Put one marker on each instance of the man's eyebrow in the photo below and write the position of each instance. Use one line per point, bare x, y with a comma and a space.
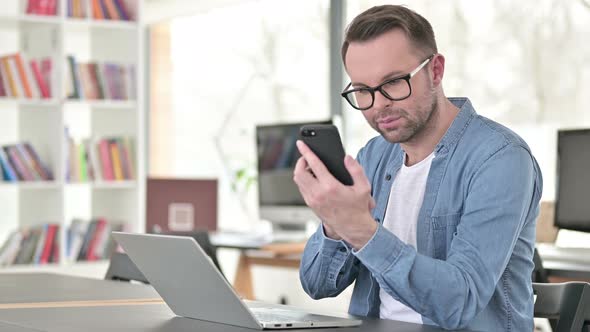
393, 74
390, 75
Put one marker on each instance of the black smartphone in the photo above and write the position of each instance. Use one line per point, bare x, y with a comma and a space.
324, 141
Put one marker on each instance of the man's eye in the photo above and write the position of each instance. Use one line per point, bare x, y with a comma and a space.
393, 83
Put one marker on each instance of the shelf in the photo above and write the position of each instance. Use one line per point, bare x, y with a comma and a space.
39, 102
35, 185
127, 184
39, 19
84, 23
96, 104
30, 102
41, 122
105, 104
31, 19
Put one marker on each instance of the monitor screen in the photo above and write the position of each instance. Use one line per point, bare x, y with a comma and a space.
278, 196
572, 201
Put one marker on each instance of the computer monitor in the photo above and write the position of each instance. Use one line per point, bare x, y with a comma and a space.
572, 199
279, 199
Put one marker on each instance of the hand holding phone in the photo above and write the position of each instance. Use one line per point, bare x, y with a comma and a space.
324, 141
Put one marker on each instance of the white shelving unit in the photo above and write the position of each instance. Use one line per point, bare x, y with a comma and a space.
42, 122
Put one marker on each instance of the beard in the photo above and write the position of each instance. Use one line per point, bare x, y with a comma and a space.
412, 125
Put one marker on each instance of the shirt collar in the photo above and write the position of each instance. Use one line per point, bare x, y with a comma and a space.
458, 126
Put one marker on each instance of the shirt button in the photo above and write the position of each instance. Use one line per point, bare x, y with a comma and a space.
377, 220
387, 177
342, 249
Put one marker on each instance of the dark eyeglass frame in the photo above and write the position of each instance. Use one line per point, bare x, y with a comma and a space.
346, 94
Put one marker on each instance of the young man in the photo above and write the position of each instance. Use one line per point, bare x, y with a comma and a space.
439, 226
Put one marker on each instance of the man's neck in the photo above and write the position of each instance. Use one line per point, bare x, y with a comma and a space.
422, 145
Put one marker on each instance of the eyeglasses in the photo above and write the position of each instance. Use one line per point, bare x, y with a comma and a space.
395, 89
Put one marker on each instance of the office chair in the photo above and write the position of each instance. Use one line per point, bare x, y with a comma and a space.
122, 268
539, 273
567, 304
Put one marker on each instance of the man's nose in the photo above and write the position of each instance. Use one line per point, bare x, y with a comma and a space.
381, 101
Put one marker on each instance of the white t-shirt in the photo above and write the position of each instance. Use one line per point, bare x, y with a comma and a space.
401, 218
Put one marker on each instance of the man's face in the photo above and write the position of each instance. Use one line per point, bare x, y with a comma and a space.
389, 56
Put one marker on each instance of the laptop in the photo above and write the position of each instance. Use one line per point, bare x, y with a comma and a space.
181, 272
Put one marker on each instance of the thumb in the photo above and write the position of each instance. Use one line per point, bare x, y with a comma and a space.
372, 204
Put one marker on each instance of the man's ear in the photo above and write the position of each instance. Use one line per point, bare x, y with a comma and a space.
438, 69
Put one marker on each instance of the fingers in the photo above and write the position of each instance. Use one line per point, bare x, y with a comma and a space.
302, 177
356, 172
317, 166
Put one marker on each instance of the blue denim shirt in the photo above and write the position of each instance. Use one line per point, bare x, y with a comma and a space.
475, 234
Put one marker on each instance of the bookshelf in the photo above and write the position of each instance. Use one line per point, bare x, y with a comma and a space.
41, 120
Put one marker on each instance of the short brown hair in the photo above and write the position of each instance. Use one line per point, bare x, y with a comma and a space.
378, 20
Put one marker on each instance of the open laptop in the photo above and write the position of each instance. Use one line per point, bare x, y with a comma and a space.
181, 272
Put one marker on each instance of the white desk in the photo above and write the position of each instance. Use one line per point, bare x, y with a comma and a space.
565, 262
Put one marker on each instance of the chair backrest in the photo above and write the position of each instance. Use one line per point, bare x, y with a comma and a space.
539, 273
568, 303
122, 268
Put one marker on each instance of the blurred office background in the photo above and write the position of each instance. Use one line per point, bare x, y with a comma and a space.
522, 64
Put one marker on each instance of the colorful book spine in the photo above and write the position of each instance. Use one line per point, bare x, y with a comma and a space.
40, 166
116, 160
105, 158
20, 66
19, 165
41, 83
7, 170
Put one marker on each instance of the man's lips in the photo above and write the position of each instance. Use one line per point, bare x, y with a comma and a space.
389, 122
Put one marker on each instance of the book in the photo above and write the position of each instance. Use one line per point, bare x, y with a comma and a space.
42, 168
48, 245
19, 166
76, 233
10, 248
87, 238
41, 83
10, 79
2, 88
122, 10
40, 245
97, 13
116, 160
18, 84
83, 170
75, 88
105, 160
95, 239
24, 76
32, 6
127, 157
7, 170
103, 7
28, 245
93, 159
27, 161
47, 73
112, 10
